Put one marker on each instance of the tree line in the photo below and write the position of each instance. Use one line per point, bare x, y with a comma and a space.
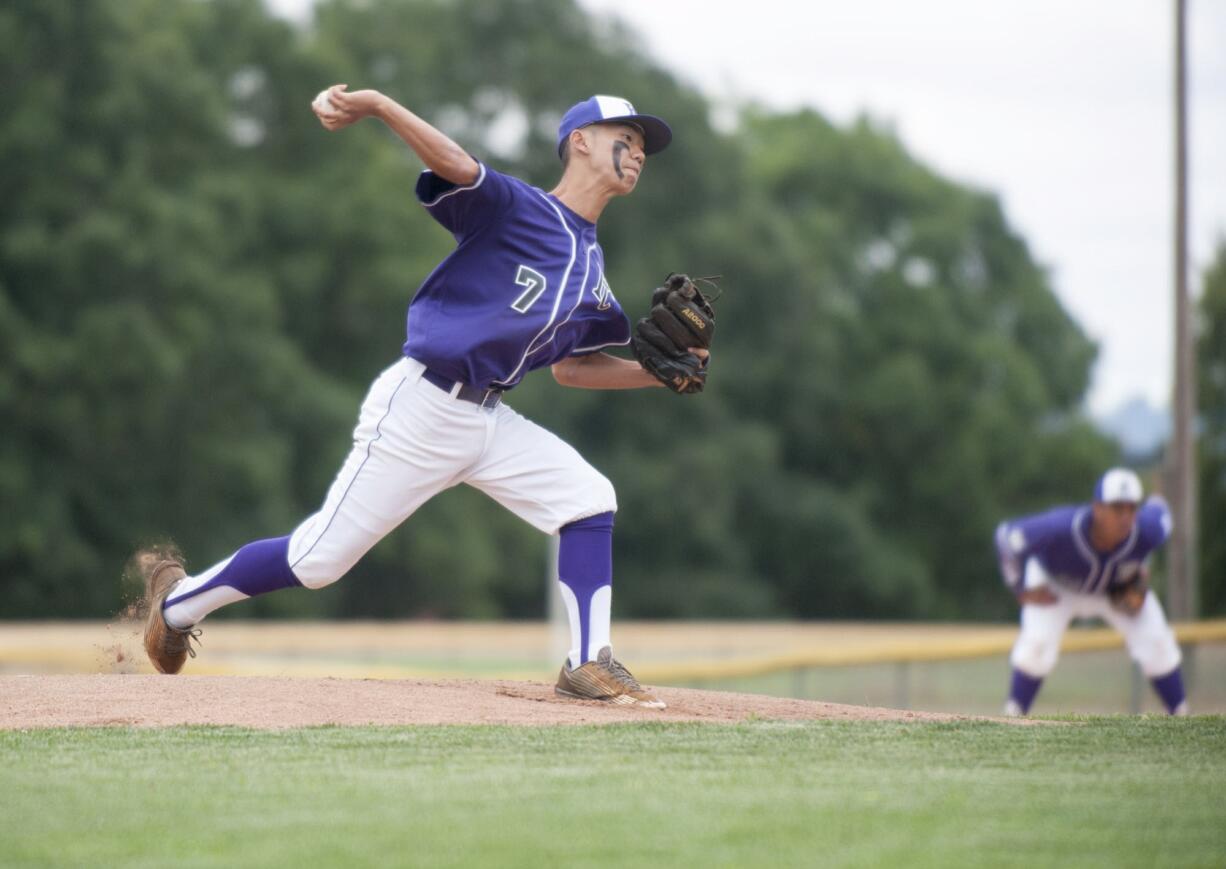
197, 283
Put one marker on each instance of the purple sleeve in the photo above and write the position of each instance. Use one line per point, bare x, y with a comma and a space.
612, 330
1017, 540
1011, 552
463, 209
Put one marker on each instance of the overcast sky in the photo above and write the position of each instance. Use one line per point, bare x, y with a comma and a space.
1062, 107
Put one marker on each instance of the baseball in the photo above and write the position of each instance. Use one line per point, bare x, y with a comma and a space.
323, 103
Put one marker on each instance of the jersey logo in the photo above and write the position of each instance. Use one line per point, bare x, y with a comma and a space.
603, 293
534, 286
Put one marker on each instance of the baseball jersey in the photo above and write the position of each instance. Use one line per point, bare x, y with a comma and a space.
1060, 540
524, 288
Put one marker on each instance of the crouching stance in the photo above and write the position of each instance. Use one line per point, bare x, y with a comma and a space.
524, 288
1084, 561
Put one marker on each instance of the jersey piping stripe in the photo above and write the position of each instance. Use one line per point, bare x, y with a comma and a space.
453, 191
557, 302
601, 346
582, 294
1110, 566
587, 272
1087, 551
357, 473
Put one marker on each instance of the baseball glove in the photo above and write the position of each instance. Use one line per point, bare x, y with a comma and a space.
1129, 597
681, 320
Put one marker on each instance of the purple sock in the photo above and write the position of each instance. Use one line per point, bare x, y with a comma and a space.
257, 568
1023, 690
585, 569
1170, 689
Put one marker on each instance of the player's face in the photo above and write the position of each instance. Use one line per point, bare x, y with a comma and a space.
617, 154
1113, 522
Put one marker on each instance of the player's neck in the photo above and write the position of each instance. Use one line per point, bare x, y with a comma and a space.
587, 197
1101, 539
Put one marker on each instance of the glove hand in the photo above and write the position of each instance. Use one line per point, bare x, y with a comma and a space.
1129, 598
672, 342
683, 313
683, 373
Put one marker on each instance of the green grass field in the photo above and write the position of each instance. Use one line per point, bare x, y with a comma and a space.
1085, 792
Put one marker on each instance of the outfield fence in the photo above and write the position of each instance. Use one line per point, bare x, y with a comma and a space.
911, 651
793, 672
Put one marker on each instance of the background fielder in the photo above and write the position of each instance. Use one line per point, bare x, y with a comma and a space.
525, 288
1090, 560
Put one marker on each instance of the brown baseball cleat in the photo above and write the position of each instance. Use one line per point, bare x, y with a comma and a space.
606, 680
166, 646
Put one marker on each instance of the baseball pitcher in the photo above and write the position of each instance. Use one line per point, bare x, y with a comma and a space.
1090, 560
524, 288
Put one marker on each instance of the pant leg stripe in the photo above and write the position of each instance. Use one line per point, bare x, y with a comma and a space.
357, 473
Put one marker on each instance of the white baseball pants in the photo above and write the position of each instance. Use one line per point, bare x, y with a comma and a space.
412, 441
1149, 638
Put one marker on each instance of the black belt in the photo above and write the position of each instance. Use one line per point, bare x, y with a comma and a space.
487, 398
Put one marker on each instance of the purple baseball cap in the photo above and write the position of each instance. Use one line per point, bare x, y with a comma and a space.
1118, 484
605, 109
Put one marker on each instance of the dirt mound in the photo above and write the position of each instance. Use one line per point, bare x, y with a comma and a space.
277, 702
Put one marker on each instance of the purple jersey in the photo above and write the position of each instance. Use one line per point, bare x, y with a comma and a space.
524, 288
1060, 540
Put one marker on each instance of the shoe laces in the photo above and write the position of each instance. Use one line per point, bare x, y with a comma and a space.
622, 674
190, 634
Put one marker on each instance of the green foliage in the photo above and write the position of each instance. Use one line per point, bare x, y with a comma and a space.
1211, 382
753, 794
197, 284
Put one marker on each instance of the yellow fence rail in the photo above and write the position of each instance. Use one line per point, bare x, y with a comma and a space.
906, 651
660, 653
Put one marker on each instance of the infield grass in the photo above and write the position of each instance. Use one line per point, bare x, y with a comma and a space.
1082, 792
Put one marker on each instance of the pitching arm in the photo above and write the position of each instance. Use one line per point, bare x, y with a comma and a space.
441, 155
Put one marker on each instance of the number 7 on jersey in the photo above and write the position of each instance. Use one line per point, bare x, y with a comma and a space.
534, 283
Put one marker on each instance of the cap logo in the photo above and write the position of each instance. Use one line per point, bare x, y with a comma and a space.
1119, 484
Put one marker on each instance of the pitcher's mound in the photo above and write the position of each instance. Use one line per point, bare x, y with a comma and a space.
271, 703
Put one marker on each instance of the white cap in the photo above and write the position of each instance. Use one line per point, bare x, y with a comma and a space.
1118, 484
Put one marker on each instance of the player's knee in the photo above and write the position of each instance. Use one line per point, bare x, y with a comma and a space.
1035, 657
1157, 655
599, 493
588, 494
316, 576
316, 569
